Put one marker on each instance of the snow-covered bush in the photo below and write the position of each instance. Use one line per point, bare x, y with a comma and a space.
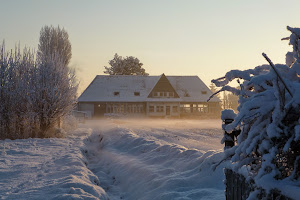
15, 83
34, 94
269, 114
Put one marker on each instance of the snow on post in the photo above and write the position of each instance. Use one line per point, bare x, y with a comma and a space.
228, 114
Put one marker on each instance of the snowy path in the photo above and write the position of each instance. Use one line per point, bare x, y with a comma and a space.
157, 159
117, 159
47, 169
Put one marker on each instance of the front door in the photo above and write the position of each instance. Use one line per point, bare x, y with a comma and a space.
100, 109
167, 110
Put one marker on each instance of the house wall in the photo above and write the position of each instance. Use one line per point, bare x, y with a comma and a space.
194, 108
87, 107
199, 108
126, 108
214, 107
162, 109
152, 109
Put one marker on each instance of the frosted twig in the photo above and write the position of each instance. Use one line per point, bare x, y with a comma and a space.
286, 38
277, 73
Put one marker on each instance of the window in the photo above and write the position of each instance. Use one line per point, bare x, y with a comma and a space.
161, 94
159, 109
165, 94
116, 93
155, 94
171, 94
175, 109
151, 108
136, 93
204, 92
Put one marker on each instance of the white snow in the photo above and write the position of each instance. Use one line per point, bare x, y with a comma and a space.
158, 159
47, 169
126, 159
228, 114
269, 117
102, 89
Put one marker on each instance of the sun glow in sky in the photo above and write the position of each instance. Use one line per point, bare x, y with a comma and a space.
175, 37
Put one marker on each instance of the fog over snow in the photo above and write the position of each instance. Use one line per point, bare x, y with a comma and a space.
118, 159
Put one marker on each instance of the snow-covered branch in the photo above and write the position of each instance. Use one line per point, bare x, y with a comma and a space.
269, 115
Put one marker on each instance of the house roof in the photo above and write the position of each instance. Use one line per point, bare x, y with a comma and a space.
103, 88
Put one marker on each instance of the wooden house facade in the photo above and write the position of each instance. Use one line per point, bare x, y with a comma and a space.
153, 96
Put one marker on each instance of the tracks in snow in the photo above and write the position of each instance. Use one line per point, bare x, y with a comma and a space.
131, 165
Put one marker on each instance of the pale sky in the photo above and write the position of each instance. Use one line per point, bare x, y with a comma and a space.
176, 37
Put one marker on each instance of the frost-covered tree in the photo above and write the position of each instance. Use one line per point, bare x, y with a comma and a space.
54, 92
54, 40
56, 82
269, 113
15, 72
34, 94
125, 66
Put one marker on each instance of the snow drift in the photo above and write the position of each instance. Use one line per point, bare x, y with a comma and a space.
131, 164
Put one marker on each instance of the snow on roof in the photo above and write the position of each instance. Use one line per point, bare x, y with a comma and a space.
191, 88
122, 88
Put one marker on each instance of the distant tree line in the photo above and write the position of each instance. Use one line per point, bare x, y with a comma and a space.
36, 92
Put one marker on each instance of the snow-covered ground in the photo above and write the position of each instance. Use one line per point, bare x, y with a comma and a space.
47, 169
118, 159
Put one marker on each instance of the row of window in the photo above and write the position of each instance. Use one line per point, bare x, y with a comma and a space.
161, 109
163, 94
193, 105
121, 108
139, 108
159, 94
194, 110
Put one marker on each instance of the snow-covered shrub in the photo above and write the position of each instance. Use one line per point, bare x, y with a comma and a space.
34, 94
269, 114
15, 83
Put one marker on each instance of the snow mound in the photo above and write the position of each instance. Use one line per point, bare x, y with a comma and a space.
228, 114
46, 169
133, 167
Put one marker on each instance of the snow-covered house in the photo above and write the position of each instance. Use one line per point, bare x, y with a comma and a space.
154, 96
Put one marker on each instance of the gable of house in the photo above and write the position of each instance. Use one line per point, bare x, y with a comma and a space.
163, 88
